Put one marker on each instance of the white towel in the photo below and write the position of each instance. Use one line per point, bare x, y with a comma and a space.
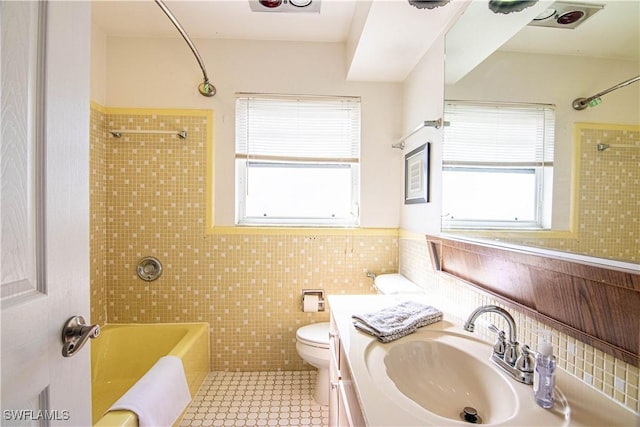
160, 396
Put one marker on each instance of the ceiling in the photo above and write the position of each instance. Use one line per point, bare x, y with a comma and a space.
385, 39
224, 19
613, 32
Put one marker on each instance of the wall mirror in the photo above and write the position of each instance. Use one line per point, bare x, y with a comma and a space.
595, 193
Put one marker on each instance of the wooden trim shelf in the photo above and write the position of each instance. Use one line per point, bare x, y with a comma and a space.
600, 306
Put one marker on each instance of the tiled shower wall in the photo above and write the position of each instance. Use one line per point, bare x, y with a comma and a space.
612, 377
608, 217
149, 199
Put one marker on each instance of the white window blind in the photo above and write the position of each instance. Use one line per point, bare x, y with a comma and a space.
314, 129
297, 160
487, 134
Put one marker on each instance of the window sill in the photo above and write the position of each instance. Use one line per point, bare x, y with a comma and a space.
302, 231
525, 233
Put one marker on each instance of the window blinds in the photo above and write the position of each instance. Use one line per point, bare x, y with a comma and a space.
485, 134
282, 128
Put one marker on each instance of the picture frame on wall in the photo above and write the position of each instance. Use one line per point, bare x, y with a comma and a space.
416, 175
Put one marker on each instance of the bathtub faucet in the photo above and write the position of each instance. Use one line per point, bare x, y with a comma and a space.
76, 333
505, 354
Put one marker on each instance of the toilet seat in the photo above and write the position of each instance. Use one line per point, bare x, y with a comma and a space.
315, 335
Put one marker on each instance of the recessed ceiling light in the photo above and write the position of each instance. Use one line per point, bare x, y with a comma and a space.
270, 3
285, 6
548, 13
570, 17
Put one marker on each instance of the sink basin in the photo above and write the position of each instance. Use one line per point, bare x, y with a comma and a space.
436, 374
444, 379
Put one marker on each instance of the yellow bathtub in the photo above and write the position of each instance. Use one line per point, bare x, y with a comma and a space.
123, 353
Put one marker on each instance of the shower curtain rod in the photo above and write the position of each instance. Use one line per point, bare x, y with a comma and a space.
582, 103
205, 88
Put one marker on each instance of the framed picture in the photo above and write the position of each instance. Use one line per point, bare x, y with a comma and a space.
416, 175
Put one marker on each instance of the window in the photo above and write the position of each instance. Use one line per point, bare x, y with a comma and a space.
297, 160
497, 165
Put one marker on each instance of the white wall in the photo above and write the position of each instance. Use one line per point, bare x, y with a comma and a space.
423, 100
557, 80
162, 73
98, 65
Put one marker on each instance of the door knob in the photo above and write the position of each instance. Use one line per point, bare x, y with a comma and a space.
75, 334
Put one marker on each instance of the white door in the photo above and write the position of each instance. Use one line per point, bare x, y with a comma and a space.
44, 256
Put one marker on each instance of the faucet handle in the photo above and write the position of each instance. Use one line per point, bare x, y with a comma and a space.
499, 347
525, 361
511, 353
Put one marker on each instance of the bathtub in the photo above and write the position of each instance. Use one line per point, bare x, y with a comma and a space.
123, 353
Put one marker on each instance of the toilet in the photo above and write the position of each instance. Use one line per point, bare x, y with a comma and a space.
395, 284
312, 341
312, 345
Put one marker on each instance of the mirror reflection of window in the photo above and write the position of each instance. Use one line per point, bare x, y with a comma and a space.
497, 165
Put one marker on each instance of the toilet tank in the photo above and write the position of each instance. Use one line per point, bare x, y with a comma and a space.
395, 284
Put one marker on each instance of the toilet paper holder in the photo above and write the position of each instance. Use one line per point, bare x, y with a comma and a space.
315, 292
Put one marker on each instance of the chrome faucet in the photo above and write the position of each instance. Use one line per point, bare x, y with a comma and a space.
505, 354
511, 346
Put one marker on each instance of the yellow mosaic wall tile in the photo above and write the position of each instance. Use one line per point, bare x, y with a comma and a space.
612, 377
246, 285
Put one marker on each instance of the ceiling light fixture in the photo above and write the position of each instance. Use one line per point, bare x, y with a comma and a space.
567, 15
428, 4
284, 6
569, 18
270, 3
508, 6
546, 14
300, 3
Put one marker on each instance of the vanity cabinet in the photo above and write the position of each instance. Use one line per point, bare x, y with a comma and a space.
344, 407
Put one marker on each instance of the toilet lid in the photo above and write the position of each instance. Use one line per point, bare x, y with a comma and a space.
316, 334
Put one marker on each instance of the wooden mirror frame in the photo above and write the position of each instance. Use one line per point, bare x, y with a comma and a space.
596, 304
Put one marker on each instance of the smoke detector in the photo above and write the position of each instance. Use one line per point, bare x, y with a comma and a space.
565, 15
285, 6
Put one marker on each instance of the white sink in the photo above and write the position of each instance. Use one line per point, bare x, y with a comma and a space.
434, 374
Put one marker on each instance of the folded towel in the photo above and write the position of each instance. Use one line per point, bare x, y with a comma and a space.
383, 338
398, 321
160, 396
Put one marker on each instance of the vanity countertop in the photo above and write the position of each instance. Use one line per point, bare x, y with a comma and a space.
588, 407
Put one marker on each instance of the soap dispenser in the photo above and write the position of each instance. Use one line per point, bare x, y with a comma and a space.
544, 374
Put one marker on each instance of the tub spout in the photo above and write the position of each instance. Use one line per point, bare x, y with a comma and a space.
76, 333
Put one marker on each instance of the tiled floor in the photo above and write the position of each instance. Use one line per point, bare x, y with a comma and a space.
256, 399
